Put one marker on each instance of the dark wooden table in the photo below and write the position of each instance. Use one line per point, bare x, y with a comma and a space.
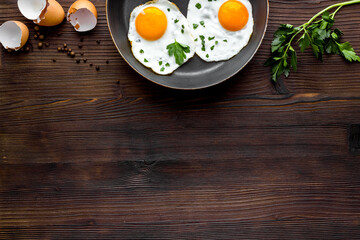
107, 154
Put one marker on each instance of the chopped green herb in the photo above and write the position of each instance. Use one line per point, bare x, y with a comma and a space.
160, 63
145, 60
212, 47
176, 20
198, 5
167, 65
207, 55
202, 42
162, 69
141, 51
202, 23
211, 38
195, 26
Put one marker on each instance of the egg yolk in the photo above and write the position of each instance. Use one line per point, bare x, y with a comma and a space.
151, 23
233, 15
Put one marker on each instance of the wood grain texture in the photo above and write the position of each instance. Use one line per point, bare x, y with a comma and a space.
109, 155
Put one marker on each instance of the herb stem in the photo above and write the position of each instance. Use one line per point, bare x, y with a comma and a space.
289, 44
335, 12
339, 5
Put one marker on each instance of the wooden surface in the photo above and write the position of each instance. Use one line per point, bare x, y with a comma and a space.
109, 155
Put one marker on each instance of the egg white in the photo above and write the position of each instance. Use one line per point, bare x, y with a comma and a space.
155, 52
226, 44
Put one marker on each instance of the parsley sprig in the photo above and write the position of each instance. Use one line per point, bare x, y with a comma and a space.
178, 50
318, 35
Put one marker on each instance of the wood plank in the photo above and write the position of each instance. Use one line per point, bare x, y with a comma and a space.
254, 127
251, 199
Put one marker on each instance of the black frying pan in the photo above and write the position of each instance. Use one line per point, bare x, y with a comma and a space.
195, 74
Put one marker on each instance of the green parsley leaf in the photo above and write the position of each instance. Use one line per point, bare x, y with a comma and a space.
348, 52
178, 50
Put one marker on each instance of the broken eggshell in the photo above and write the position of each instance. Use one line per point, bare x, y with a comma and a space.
43, 12
82, 15
13, 35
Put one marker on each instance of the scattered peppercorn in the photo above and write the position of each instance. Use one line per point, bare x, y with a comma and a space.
80, 46
78, 61
98, 41
27, 49
65, 45
82, 54
38, 33
59, 49
41, 37
37, 28
54, 60
107, 61
69, 50
47, 44
59, 34
85, 60
65, 49
22, 49
91, 65
81, 39
97, 68
36, 36
72, 54
40, 45
9, 50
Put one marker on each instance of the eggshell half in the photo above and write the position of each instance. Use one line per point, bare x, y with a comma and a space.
82, 15
32, 9
54, 15
13, 35
43, 12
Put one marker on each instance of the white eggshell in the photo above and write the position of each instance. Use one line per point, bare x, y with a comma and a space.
13, 35
32, 9
82, 15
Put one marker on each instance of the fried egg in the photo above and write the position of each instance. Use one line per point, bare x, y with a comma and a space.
153, 27
221, 28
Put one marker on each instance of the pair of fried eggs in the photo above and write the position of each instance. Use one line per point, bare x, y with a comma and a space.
216, 30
